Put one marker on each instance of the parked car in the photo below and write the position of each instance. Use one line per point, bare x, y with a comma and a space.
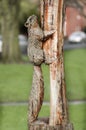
77, 37
22, 43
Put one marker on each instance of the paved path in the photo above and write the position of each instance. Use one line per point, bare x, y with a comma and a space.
45, 103
69, 46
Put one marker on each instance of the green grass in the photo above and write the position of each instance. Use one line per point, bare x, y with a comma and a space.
15, 117
46, 82
16, 79
75, 74
15, 82
78, 116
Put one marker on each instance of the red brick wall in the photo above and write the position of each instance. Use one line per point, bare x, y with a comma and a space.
74, 21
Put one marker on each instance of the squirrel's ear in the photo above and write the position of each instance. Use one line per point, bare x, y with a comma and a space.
34, 17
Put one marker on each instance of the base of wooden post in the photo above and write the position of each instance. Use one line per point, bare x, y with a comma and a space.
44, 125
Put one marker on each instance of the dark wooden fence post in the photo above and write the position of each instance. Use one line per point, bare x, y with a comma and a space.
52, 17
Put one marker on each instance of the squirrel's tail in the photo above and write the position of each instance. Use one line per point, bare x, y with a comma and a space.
37, 94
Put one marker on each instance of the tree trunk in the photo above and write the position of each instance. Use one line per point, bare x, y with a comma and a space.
52, 17
36, 95
9, 25
48, 127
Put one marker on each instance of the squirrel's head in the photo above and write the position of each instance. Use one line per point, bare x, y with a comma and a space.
32, 21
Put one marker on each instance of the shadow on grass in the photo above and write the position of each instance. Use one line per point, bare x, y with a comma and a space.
84, 118
84, 107
1, 116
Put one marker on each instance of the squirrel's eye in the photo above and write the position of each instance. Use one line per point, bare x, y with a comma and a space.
30, 19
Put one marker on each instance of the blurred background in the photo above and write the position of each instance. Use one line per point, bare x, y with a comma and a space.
16, 71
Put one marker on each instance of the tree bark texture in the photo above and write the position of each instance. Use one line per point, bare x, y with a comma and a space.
9, 24
53, 17
39, 126
36, 95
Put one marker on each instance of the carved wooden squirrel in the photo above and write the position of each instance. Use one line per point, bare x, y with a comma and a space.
35, 41
36, 55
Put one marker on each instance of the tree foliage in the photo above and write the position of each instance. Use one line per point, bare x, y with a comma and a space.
27, 8
9, 10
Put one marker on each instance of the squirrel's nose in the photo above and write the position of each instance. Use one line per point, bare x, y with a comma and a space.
26, 24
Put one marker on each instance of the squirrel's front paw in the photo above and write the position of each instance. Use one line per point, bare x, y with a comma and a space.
49, 61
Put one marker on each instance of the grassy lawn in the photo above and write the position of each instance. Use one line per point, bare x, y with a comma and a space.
75, 74
78, 116
15, 82
15, 117
16, 79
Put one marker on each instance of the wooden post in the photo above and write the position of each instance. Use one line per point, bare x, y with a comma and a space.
52, 17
